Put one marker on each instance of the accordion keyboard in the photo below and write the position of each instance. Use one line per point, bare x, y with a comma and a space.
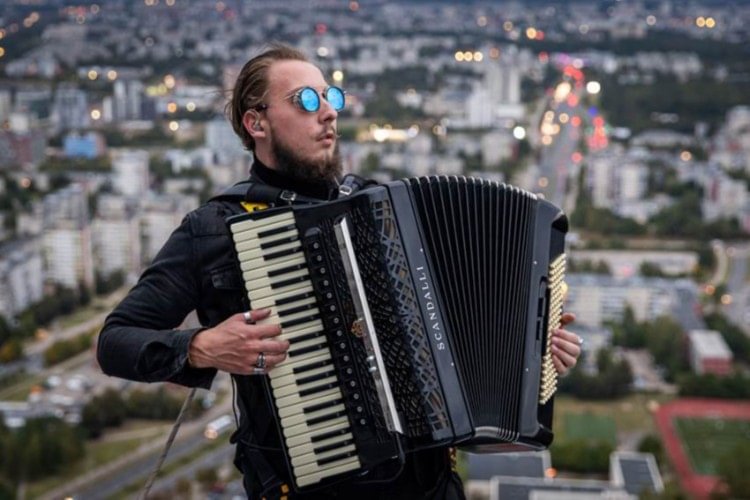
305, 386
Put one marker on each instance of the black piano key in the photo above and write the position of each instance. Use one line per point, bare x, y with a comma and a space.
336, 458
278, 230
285, 270
282, 253
291, 281
311, 366
324, 418
294, 298
328, 435
322, 406
329, 447
299, 321
320, 388
313, 378
304, 350
308, 336
279, 242
295, 310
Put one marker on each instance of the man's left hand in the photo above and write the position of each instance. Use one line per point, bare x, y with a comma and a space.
566, 346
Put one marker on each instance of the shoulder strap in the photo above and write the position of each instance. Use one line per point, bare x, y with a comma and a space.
254, 192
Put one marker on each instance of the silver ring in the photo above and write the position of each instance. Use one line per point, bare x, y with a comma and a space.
248, 317
580, 340
261, 361
259, 371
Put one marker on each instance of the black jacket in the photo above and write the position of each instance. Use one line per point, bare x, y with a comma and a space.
197, 270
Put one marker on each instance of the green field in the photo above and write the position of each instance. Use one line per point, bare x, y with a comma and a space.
706, 440
587, 426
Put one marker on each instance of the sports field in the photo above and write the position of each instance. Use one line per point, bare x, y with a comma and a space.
706, 440
587, 426
696, 432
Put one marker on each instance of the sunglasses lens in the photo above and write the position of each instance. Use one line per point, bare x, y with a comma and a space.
335, 96
309, 99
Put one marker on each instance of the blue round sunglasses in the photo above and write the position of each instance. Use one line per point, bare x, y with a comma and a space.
308, 99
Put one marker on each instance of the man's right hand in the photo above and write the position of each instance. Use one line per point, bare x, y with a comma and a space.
234, 345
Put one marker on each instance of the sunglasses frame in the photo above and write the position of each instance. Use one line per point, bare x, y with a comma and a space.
299, 100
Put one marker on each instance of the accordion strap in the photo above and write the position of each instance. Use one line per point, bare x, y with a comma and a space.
254, 192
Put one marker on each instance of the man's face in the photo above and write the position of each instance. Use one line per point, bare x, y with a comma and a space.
301, 144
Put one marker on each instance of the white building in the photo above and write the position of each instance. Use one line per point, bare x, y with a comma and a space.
223, 142
709, 353
66, 237
131, 175
599, 298
160, 216
21, 276
116, 237
69, 254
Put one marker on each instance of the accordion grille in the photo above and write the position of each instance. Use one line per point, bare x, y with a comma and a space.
480, 235
415, 336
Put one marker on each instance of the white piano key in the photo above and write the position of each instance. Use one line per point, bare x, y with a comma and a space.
310, 458
296, 399
303, 449
288, 390
250, 265
312, 437
269, 301
296, 430
264, 253
302, 418
295, 410
264, 224
260, 293
288, 366
255, 243
312, 474
292, 378
294, 260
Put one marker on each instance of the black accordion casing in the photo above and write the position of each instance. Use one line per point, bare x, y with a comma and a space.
463, 278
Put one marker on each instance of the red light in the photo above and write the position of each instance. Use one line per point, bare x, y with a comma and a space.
543, 57
540, 35
576, 121
572, 100
576, 157
321, 29
598, 121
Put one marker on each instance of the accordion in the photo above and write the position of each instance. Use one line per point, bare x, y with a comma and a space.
419, 314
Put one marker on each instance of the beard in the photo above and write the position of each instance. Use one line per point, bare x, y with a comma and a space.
303, 169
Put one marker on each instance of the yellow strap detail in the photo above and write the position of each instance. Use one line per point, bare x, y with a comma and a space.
253, 207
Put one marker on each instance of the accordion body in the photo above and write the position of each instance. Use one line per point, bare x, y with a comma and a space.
419, 314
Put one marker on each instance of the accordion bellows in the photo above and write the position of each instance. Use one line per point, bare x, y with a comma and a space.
419, 314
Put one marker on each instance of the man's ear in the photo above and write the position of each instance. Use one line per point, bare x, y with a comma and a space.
252, 123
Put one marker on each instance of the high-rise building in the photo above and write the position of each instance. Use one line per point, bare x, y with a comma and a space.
116, 236
70, 108
21, 276
68, 251
128, 99
131, 175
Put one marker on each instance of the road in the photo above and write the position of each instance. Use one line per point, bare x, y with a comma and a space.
114, 476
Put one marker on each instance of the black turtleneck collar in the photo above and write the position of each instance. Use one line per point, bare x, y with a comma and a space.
323, 190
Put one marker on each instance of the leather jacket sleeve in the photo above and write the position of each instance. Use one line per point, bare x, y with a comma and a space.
139, 340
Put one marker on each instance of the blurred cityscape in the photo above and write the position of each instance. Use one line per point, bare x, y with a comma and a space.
633, 116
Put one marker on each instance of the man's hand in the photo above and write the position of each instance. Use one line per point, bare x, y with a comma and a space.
566, 346
234, 345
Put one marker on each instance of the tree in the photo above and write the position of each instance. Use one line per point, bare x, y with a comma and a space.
733, 470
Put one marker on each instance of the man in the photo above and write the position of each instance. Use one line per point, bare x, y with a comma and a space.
285, 113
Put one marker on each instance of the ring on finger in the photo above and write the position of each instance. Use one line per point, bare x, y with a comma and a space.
261, 361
